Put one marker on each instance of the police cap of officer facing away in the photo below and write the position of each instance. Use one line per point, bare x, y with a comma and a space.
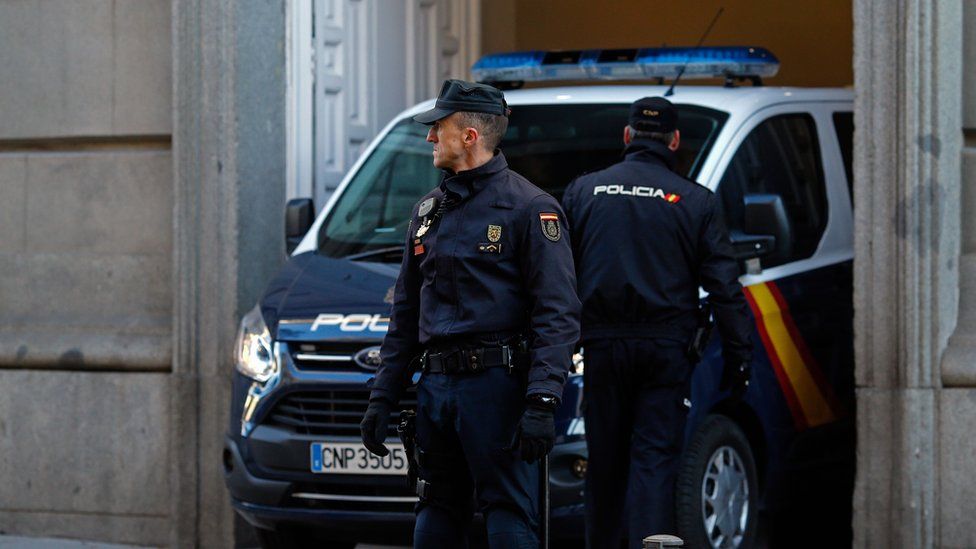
645, 239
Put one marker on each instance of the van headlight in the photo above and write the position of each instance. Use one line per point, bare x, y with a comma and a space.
255, 357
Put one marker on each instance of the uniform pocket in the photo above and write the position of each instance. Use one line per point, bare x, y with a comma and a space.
671, 365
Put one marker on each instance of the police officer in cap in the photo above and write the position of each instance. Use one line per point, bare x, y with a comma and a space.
645, 240
486, 297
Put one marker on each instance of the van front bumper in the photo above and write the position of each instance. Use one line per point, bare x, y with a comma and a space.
267, 503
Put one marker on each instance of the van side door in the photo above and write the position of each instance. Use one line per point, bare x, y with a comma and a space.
800, 291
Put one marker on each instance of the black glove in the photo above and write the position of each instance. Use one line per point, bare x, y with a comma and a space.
536, 432
375, 424
735, 376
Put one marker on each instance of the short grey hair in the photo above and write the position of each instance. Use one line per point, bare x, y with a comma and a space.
491, 127
665, 138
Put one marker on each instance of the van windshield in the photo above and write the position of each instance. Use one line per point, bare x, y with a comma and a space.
550, 145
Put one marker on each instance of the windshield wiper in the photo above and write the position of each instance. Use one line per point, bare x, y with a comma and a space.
376, 252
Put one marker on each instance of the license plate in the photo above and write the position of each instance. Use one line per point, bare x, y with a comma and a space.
352, 458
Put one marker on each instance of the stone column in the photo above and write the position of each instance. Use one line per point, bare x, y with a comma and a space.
957, 465
229, 170
907, 68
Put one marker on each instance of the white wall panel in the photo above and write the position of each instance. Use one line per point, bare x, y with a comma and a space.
300, 169
373, 59
423, 56
358, 104
330, 83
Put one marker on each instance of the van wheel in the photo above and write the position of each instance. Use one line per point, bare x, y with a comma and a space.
286, 538
717, 491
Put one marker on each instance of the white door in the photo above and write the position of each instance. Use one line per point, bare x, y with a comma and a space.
356, 64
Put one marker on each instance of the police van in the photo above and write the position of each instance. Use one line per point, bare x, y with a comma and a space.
779, 159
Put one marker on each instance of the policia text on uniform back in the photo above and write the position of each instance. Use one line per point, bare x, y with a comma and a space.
645, 240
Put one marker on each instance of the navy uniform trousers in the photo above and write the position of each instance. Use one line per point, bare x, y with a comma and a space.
465, 425
635, 412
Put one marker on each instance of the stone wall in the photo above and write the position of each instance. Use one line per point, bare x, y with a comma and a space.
915, 272
86, 200
141, 208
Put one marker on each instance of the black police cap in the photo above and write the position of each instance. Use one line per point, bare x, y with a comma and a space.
653, 114
459, 95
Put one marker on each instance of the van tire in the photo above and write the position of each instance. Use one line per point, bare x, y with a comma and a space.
720, 450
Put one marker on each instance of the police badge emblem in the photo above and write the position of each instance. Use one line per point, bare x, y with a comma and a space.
494, 233
422, 230
550, 226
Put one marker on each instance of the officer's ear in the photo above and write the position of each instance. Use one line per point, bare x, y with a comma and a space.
675, 140
470, 136
627, 138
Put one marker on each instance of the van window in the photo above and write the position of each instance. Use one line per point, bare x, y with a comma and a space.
781, 156
375, 207
844, 126
548, 144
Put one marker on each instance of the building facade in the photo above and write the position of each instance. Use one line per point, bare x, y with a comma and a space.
147, 148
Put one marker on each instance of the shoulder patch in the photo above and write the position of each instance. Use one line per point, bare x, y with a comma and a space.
550, 226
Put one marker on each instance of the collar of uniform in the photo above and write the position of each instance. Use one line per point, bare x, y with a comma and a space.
646, 150
469, 182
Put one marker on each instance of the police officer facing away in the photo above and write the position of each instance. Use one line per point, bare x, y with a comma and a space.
486, 296
645, 239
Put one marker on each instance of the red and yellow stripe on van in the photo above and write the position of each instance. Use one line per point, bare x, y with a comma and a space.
807, 392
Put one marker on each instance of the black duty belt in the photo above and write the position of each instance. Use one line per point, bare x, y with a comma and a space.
472, 361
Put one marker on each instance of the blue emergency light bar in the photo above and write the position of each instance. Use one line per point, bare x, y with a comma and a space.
627, 64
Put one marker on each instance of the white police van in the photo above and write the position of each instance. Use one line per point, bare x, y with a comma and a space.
780, 161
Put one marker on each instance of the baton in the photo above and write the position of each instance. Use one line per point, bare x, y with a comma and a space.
544, 500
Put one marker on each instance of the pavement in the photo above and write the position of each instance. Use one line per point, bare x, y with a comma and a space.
15, 542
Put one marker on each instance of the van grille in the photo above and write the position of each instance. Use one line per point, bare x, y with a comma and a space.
326, 355
336, 412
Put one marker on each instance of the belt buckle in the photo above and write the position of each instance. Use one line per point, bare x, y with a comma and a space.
507, 353
449, 362
458, 365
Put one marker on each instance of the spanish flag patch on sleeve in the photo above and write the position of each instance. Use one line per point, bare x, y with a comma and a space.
550, 225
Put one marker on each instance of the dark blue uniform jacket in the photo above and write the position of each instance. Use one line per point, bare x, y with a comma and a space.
645, 240
485, 267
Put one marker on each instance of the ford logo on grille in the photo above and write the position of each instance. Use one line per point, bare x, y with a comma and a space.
368, 358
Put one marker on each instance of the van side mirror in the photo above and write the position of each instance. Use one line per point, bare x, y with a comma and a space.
299, 214
767, 231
